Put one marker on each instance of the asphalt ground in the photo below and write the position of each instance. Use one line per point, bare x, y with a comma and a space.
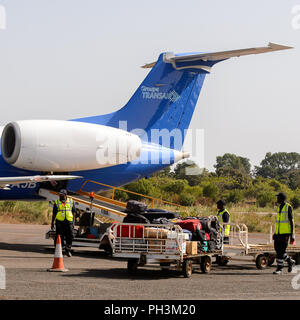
26, 256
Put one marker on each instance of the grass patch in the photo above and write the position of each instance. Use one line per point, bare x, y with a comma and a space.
25, 212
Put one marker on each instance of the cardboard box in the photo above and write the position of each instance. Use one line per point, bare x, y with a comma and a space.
158, 233
191, 247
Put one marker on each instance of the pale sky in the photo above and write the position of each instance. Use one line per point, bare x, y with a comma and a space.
63, 59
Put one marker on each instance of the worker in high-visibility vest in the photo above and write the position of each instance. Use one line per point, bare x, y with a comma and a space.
284, 229
224, 217
64, 215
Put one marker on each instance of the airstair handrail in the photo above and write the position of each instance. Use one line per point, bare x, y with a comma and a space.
153, 199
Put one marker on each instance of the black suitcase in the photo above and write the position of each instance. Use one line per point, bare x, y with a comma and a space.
152, 214
161, 221
135, 218
199, 235
213, 235
134, 206
212, 245
215, 223
206, 224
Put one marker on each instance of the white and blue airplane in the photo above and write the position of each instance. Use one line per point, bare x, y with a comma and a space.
141, 138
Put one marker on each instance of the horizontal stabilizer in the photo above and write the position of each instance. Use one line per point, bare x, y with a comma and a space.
217, 56
7, 181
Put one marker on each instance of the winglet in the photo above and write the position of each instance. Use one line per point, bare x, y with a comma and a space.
148, 65
276, 46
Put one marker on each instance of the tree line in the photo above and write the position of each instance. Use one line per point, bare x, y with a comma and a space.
233, 180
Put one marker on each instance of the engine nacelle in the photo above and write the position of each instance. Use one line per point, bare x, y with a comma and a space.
64, 146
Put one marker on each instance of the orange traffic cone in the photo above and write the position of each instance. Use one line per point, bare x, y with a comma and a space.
58, 264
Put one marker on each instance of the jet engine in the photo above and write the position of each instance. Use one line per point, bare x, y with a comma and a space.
64, 146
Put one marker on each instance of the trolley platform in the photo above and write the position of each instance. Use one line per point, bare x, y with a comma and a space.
263, 254
165, 245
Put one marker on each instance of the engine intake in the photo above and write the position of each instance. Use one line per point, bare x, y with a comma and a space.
64, 146
11, 142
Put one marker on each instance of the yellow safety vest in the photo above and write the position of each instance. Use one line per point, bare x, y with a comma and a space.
227, 227
282, 224
64, 210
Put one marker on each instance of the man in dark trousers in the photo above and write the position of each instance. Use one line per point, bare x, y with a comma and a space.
284, 229
224, 217
63, 215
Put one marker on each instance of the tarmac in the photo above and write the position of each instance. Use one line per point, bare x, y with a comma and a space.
26, 255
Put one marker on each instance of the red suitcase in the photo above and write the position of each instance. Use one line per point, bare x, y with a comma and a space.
135, 231
190, 224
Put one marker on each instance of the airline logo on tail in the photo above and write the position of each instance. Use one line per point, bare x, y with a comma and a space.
155, 93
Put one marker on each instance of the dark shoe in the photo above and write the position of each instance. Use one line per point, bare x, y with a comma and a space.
278, 271
68, 253
291, 265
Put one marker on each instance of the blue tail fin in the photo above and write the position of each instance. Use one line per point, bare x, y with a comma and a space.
167, 97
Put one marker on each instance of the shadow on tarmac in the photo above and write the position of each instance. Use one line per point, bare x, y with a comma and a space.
157, 274
46, 249
121, 273
23, 247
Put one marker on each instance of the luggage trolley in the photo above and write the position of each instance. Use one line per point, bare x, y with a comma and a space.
165, 245
263, 254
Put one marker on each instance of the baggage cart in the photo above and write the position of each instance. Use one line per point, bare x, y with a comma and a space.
153, 244
263, 253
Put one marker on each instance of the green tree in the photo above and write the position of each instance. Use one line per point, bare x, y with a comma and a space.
231, 161
188, 170
282, 166
121, 195
176, 186
234, 196
294, 179
211, 190
295, 201
166, 172
238, 179
186, 199
265, 198
143, 186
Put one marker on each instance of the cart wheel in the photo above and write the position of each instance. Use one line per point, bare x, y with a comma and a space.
222, 261
271, 260
205, 264
132, 266
187, 268
261, 261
